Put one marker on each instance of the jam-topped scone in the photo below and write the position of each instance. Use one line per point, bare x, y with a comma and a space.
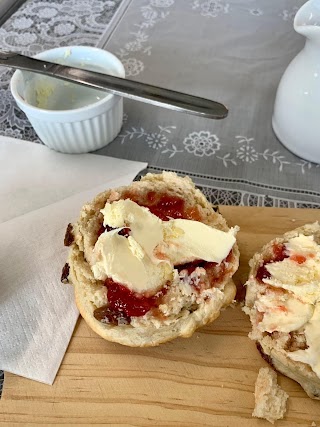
151, 261
283, 302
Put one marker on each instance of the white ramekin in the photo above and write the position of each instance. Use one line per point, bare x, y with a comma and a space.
77, 130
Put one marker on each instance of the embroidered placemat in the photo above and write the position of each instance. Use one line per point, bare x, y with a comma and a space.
231, 51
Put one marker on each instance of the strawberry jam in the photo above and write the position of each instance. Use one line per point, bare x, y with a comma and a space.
300, 259
215, 272
279, 254
165, 206
124, 304
263, 273
191, 266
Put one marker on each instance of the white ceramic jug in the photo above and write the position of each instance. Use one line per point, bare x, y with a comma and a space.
296, 116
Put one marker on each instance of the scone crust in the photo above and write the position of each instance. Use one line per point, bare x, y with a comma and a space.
270, 350
84, 238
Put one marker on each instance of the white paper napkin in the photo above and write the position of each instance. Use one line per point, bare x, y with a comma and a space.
37, 312
32, 176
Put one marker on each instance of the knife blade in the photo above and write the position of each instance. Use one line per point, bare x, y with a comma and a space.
137, 91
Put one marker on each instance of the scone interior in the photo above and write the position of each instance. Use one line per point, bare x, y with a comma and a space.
151, 261
270, 399
283, 302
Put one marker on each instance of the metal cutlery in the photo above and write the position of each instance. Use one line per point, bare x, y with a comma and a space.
150, 94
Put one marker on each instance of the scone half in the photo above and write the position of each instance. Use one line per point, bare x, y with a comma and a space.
283, 302
141, 261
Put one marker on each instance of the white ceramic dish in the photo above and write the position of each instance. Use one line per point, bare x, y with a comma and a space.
296, 115
67, 117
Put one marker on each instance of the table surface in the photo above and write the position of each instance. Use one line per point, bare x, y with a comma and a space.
205, 380
228, 50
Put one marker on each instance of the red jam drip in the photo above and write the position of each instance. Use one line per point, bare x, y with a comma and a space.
300, 259
124, 232
215, 272
166, 207
124, 304
191, 266
263, 273
279, 254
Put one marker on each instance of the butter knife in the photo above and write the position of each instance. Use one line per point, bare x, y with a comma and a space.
150, 94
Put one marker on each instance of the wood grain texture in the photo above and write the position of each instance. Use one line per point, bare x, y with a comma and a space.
206, 380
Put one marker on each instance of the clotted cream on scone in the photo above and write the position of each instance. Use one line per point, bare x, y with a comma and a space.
283, 302
151, 261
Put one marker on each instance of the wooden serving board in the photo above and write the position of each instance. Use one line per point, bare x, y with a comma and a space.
206, 380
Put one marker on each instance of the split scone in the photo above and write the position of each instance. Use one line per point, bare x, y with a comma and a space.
151, 261
283, 302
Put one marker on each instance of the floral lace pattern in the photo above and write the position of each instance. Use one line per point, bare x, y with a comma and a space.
288, 15
203, 143
40, 25
151, 14
211, 8
256, 12
215, 8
